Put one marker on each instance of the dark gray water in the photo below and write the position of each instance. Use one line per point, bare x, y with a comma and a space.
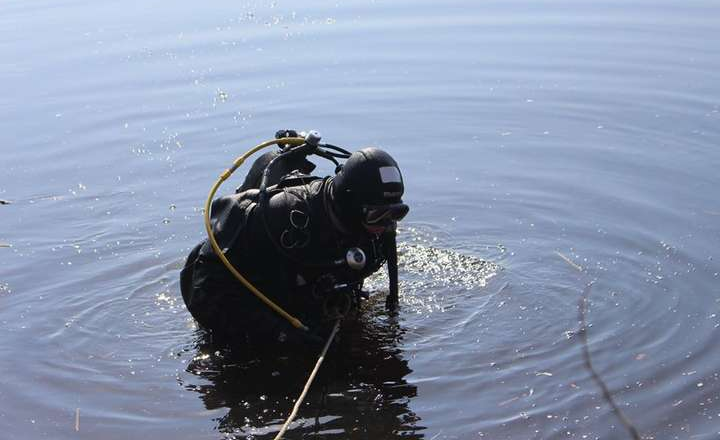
532, 135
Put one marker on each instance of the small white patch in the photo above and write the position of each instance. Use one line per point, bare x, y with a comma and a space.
390, 175
391, 195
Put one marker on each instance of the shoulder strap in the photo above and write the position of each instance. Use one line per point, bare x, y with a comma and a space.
295, 178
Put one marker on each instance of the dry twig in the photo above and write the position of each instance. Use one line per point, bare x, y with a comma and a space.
582, 310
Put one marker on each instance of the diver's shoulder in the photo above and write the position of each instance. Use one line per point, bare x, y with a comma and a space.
235, 200
297, 179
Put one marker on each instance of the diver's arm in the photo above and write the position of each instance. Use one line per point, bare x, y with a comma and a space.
390, 244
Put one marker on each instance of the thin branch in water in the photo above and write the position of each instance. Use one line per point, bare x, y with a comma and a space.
582, 311
573, 264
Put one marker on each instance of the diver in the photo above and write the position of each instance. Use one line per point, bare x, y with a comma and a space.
305, 242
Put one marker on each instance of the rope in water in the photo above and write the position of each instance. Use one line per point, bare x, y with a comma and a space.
309, 382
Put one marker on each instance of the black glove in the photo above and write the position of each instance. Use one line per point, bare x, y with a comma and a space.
390, 245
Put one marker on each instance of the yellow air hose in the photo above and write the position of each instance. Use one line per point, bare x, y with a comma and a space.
211, 236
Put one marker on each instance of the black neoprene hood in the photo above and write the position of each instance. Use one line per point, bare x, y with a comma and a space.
369, 177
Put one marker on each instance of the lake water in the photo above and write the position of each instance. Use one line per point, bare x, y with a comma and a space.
545, 146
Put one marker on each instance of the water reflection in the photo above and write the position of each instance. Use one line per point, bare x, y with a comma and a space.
360, 391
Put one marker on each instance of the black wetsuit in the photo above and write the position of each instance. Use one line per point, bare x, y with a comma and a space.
288, 249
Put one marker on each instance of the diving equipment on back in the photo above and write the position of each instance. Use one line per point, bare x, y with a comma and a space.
306, 242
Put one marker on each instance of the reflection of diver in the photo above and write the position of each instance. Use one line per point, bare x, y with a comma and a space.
361, 391
306, 242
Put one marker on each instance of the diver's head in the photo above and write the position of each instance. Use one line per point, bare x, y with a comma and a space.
367, 192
